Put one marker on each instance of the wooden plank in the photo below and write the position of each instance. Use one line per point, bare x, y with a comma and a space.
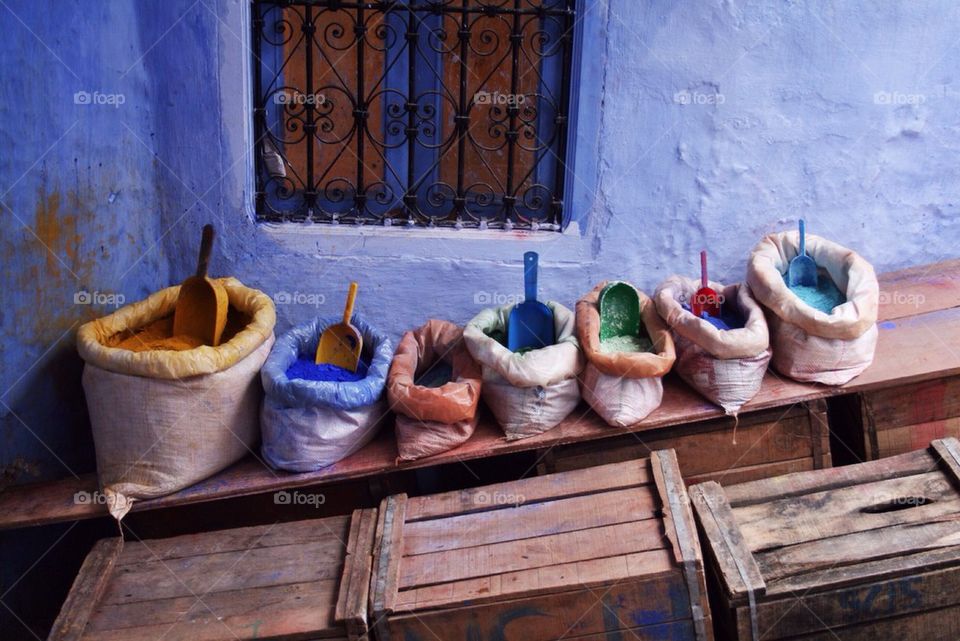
584, 575
354, 588
858, 547
735, 563
497, 558
88, 587
865, 573
920, 289
331, 529
752, 472
681, 530
620, 605
220, 572
905, 354
533, 490
925, 402
384, 581
851, 605
801, 483
943, 624
948, 450
893, 441
765, 437
282, 603
869, 506
525, 521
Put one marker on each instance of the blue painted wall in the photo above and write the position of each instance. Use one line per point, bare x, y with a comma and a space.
706, 122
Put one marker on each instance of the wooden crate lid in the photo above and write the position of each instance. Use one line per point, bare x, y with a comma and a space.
284, 580
824, 529
555, 533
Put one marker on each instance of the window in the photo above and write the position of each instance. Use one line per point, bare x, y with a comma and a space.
420, 113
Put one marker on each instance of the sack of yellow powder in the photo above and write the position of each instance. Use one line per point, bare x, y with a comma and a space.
727, 366
623, 387
166, 417
530, 392
812, 345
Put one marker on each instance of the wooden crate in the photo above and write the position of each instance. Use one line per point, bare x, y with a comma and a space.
855, 553
585, 555
907, 418
769, 443
299, 580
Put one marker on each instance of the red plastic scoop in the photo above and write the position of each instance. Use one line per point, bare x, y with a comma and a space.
705, 301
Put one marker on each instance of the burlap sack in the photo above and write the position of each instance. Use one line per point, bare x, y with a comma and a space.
309, 425
810, 345
726, 366
431, 420
164, 420
623, 387
532, 392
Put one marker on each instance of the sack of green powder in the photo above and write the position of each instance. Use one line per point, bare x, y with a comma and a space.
311, 424
163, 420
529, 393
725, 365
623, 387
808, 344
434, 390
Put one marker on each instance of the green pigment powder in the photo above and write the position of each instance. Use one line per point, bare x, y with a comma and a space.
824, 297
626, 344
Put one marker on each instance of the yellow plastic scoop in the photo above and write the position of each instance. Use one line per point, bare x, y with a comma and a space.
201, 311
341, 344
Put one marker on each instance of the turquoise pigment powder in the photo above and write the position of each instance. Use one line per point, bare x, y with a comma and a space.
306, 369
824, 297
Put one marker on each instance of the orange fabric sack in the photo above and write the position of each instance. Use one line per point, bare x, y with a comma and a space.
431, 420
623, 387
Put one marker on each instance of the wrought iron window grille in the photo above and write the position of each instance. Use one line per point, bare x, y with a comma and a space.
420, 113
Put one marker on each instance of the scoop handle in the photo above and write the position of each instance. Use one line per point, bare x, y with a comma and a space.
803, 238
206, 245
348, 308
703, 269
530, 261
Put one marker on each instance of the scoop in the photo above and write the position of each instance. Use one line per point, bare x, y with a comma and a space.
705, 300
530, 325
802, 270
202, 304
619, 311
341, 344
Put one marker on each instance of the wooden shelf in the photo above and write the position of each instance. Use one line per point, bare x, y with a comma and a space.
919, 340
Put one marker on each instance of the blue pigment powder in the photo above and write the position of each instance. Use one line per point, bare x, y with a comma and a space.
729, 318
824, 297
305, 368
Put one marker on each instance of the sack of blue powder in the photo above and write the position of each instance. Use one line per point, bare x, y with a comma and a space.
723, 358
623, 377
434, 390
828, 334
315, 415
529, 392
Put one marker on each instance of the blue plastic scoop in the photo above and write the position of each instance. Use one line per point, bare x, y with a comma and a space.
802, 270
530, 325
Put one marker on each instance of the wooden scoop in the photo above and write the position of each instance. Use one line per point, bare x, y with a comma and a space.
341, 344
201, 310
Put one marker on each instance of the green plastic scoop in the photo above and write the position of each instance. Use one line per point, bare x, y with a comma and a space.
619, 311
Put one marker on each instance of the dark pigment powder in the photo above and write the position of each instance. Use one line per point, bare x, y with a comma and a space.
305, 368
